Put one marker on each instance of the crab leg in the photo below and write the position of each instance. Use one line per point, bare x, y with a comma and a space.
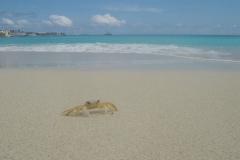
78, 108
110, 108
102, 104
67, 112
106, 106
112, 105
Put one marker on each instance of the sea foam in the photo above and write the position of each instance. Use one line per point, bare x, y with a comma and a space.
169, 50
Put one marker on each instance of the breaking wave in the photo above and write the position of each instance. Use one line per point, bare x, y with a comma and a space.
169, 50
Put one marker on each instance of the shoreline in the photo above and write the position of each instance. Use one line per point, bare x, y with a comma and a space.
104, 60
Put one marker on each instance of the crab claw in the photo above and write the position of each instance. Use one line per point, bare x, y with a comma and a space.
85, 113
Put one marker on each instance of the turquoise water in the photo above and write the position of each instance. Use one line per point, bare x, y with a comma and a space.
213, 48
128, 39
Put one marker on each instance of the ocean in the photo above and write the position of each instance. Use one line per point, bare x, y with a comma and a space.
115, 49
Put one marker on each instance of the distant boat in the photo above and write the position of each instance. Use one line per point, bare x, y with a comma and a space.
108, 34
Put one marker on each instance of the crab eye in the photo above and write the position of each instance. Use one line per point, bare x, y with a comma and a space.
88, 102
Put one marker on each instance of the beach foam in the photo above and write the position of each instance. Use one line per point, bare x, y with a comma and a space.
169, 50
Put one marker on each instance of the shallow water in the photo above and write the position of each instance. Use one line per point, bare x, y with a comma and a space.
215, 48
107, 61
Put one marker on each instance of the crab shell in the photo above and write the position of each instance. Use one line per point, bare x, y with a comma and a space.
91, 104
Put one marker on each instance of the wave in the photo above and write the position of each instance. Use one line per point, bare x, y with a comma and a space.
168, 50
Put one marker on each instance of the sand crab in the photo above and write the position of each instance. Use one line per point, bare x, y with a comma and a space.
90, 106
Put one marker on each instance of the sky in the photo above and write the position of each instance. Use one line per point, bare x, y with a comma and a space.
201, 17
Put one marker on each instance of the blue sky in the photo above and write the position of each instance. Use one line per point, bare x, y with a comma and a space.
122, 17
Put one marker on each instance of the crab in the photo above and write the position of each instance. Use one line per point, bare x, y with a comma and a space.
90, 106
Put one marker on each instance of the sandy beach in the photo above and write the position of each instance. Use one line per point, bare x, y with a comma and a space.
163, 114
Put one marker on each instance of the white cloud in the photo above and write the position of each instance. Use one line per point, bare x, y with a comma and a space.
23, 22
47, 22
234, 25
61, 20
179, 24
134, 9
7, 21
107, 19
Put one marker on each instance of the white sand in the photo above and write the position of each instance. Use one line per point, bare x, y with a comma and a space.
162, 115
